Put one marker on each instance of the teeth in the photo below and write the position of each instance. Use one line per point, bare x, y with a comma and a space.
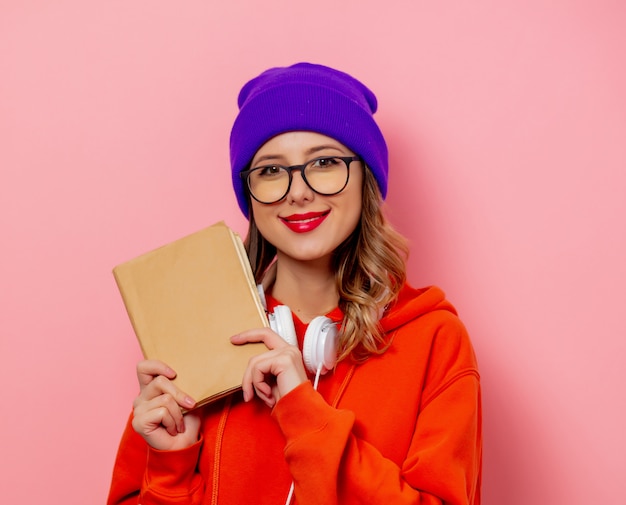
307, 220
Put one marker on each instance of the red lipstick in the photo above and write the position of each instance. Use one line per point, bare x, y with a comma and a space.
303, 223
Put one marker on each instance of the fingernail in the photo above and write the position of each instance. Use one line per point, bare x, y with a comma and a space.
245, 396
189, 401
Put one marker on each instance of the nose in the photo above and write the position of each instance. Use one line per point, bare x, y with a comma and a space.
299, 190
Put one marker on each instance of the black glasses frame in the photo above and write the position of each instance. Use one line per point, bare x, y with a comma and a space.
245, 175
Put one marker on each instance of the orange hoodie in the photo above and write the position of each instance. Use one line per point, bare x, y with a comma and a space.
401, 428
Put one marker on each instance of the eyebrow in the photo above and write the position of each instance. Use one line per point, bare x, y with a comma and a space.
308, 152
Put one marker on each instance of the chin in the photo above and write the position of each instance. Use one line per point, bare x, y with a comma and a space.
307, 255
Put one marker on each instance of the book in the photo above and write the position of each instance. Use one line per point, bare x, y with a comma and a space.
185, 300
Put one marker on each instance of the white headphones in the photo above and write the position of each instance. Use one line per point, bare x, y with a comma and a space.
319, 349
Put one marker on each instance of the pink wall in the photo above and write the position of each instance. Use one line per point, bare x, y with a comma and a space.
507, 128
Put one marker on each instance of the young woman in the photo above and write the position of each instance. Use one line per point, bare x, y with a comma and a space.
390, 413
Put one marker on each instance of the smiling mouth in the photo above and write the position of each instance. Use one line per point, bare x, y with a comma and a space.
302, 223
305, 218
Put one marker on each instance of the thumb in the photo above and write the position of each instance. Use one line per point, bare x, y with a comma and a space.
192, 423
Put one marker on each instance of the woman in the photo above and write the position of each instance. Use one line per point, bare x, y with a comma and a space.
396, 417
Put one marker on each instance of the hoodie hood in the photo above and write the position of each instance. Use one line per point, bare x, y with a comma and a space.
413, 303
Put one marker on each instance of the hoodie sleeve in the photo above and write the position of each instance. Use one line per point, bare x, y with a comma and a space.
146, 476
330, 464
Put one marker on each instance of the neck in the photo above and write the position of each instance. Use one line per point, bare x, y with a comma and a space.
308, 288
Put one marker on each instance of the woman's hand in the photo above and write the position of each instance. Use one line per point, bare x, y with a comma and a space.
274, 373
157, 414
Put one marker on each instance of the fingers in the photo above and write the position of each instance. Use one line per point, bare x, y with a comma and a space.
161, 393
155, 378
148, 369
162, 431
192, 422
161, 385
273, 374
158, 409
160, 412
255, 380
271, 339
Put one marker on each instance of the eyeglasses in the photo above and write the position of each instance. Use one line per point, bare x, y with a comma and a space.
326, 176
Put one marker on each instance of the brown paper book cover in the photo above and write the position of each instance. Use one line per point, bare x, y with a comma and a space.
185, 300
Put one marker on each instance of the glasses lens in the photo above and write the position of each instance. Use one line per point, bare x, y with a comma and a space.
268, 184
326, 176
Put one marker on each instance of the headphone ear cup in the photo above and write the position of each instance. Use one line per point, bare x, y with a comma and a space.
320, 345
282, 323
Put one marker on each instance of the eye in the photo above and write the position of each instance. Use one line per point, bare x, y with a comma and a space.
269, 171
326, 162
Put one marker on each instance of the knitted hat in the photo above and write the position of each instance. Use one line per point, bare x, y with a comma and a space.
306, 97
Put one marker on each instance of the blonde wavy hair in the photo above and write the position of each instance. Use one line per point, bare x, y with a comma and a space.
370, 269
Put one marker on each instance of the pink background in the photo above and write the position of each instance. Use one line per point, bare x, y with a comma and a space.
506, 123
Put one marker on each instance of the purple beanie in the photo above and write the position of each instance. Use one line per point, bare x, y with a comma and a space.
306, 97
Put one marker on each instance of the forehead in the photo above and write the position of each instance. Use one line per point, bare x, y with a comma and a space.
299, 144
